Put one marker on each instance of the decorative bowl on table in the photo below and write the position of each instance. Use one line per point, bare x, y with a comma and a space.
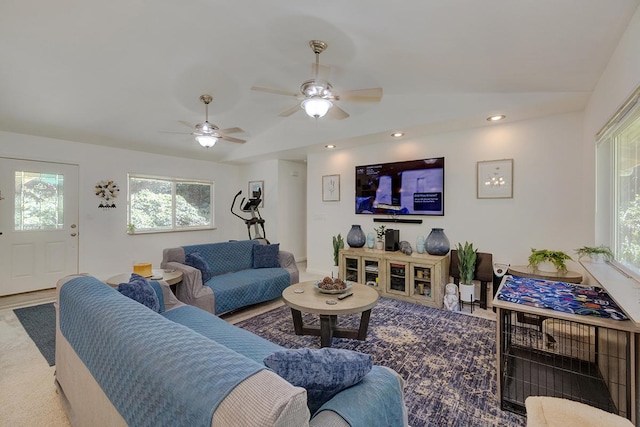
332, 286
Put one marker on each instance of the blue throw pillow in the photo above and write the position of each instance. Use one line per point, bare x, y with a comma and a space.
157, 287
323, 373
196, 260
266, 256
138, 289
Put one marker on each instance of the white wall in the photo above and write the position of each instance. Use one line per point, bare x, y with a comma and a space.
105, 247
544, 213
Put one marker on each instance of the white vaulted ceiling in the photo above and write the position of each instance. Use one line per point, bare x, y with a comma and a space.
118, 72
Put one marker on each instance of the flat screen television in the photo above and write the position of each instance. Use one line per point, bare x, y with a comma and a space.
413, 187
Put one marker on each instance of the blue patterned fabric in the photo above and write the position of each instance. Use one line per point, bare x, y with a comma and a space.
158, 290
560, 296
222, 332
266, 256
360, 407
138, 357
322, 372
225, 257
138, 289
196, 260
247, 287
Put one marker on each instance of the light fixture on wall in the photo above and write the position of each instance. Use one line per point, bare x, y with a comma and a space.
496, 118
316, 106
207, 141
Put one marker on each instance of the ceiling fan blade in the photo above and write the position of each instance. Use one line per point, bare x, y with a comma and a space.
232, 139
230, 130
276, 91
362, 95
336, 113
289, 111
187, 124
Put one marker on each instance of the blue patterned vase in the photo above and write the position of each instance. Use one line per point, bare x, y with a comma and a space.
356, 237
437, 242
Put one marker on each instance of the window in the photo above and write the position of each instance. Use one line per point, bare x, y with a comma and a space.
169, 204
38, 201
619, 157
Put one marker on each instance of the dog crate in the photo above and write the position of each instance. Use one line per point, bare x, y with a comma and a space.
583, 358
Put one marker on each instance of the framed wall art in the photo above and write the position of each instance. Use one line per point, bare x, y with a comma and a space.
331, 188
255, 188
495, 179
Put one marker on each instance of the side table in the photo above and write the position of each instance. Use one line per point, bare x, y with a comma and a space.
171, 277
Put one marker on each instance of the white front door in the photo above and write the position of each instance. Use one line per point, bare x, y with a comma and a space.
38, 224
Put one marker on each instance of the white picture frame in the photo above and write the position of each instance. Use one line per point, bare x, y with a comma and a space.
331, 188
257, 186
494, 179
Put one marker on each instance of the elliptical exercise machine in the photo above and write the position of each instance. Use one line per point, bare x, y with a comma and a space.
256, 220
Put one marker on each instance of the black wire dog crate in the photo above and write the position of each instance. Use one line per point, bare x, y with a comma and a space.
583, 358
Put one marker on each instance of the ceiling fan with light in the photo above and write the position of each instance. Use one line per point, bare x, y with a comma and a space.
317, 95
208, 134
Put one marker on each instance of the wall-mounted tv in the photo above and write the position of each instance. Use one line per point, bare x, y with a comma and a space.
413, 187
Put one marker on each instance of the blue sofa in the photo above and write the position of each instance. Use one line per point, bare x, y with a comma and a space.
235, 283
120, 363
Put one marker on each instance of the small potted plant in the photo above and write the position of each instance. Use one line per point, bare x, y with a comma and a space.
467, 256
539, 257
338, 243
597, 253
380, 235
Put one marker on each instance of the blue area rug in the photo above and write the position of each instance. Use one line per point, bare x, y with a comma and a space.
40, 323
448, 360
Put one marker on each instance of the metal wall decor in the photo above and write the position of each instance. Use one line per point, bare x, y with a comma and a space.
107, 191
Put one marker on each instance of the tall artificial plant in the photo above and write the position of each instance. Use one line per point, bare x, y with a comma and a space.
467, 262
338, 243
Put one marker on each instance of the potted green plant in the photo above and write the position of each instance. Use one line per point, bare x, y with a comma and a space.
539, 257
597, 253
380, 235
338, 243
467, 256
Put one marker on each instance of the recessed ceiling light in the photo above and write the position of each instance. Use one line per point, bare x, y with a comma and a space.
496, 118
329, 146
397, 134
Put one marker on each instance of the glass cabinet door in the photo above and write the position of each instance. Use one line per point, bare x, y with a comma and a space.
398, 274
371, 272
351, 269
422, 284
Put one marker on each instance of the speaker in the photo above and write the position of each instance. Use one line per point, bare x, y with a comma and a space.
391, 240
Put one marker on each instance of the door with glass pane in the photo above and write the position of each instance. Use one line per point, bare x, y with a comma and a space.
38, 224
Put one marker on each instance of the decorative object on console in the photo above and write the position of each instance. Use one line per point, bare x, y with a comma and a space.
331, 188
437, 242
106, 191
371, 240
405, 247
380, 236
495, 179
596, 254
391, 240
467, 265
420, 244
356, 237
539, 257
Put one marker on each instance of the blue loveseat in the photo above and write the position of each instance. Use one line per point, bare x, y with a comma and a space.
235, 281
120, 363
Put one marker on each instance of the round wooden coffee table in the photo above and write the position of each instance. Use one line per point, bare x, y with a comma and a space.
171, 277
313, 301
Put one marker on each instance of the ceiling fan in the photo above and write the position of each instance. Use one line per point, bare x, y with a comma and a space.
317, 95
208, 134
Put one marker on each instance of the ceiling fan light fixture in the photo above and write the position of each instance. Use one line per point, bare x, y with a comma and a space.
207, 141
316, 106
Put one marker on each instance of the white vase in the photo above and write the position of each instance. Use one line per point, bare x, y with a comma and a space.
467, 293
379, 244
547, 266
